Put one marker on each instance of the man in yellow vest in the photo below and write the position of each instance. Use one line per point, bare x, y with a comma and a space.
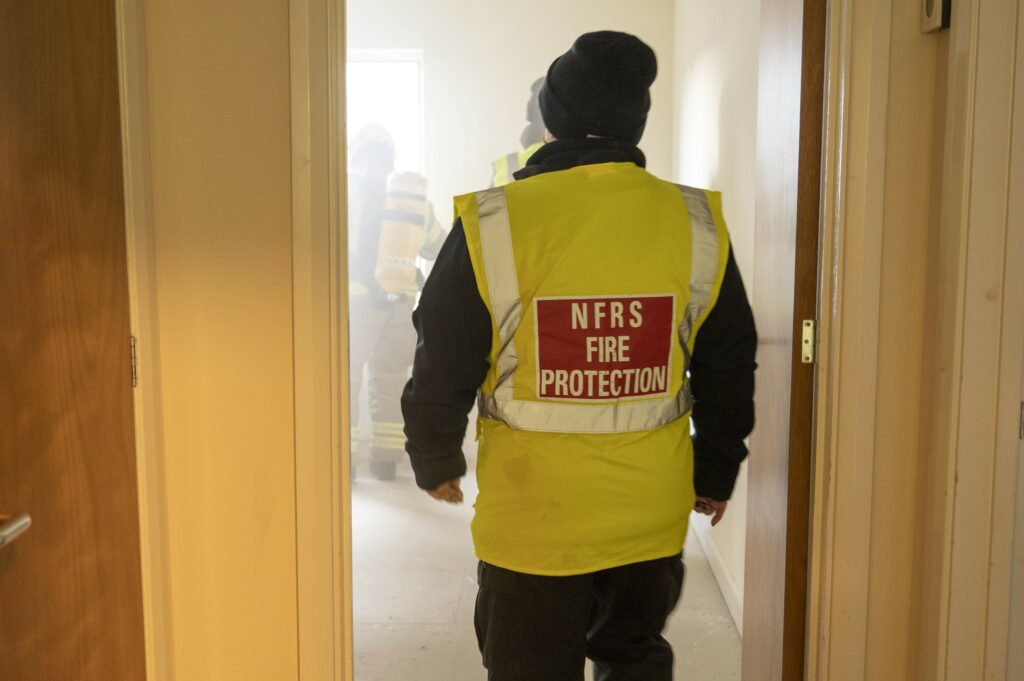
531, 140
589, 309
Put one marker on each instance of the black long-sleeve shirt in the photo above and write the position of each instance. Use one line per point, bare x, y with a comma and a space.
454, 340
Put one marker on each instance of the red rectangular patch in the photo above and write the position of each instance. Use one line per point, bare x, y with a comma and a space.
604, 348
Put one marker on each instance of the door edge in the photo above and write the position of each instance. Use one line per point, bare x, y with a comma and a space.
149, 454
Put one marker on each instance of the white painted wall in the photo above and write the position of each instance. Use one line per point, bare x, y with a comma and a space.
716, 64
479, 62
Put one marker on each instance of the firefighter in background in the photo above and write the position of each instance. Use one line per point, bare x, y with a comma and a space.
532, 139
391, 224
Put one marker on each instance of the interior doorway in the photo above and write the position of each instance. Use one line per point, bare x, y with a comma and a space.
414, 577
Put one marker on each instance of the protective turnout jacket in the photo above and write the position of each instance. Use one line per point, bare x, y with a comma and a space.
596, 280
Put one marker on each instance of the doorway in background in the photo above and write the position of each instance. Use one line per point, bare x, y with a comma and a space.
385, 87
490, 131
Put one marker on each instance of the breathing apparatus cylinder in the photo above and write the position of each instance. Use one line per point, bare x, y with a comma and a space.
401, 232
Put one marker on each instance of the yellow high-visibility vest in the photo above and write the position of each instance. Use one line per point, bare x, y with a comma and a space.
507, 165
597, 279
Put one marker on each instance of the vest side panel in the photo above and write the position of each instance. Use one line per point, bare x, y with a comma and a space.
715, 203
466, 210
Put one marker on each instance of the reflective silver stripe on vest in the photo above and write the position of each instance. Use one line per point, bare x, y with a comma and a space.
506, 306
703, 261
502, 284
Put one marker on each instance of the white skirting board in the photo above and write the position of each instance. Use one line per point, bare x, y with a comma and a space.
732, 593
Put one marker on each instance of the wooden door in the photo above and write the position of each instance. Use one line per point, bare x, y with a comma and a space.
785, 288
70, 587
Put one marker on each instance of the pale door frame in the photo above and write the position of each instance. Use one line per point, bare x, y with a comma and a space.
320, 340
149, 432
320, 296
961, 614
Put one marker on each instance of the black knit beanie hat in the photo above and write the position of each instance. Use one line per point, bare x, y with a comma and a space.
601, 86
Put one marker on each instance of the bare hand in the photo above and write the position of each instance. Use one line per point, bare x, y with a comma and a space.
449, 491
711, 507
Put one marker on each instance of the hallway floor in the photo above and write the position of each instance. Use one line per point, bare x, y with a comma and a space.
415, 585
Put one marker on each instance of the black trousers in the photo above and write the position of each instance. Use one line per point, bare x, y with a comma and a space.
535, 628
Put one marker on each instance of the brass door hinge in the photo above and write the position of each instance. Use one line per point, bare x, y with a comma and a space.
135, 363
808, 349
